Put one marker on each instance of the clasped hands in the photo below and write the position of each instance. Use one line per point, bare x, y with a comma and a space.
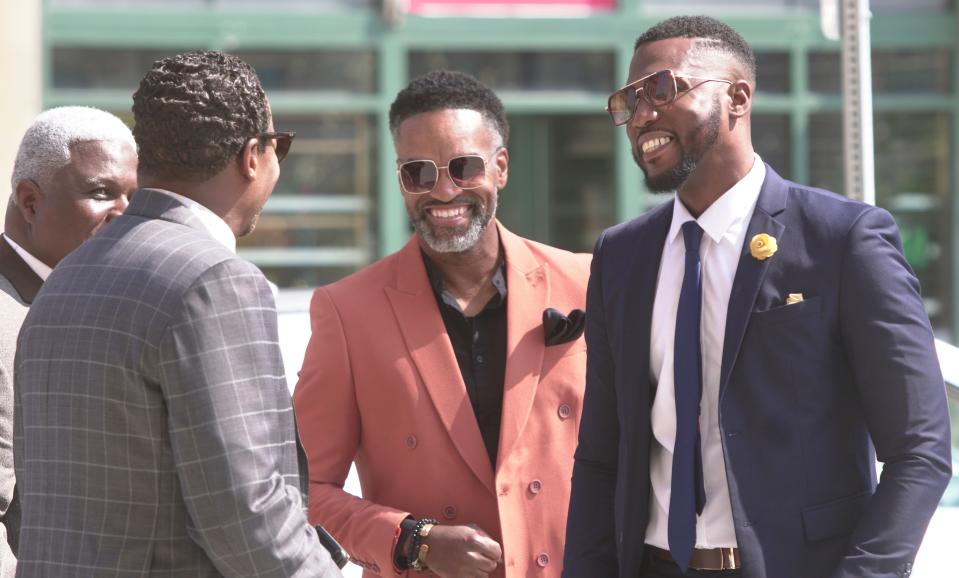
462, 552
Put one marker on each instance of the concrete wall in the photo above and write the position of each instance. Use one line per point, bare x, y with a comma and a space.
21, 71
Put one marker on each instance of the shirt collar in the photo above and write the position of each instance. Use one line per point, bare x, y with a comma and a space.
498, 280
731, 207
39, 267
212, 223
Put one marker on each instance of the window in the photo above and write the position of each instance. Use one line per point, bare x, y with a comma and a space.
319, 224
305, 70
103, 68
313, 70
914, 182
772, 140
561, 180
913, 160
526, 71
826, 151
920, 71
773, 72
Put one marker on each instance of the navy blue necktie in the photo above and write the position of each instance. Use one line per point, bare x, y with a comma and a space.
688, 495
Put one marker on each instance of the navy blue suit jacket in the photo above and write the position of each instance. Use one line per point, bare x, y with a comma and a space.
810, 394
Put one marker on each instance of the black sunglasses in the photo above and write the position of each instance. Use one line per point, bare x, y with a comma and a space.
657, 89
466, 171
284, 140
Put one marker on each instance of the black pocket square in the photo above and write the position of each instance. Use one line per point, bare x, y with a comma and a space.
560, 328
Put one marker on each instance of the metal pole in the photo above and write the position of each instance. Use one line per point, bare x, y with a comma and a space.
857, 101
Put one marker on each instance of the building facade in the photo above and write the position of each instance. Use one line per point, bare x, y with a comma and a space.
332, 67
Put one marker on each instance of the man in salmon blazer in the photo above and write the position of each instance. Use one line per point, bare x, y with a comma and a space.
452, 371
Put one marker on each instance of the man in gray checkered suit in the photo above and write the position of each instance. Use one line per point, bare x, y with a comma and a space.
154, 434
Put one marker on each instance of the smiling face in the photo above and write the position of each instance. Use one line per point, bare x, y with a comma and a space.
73, 203
449, 219
670, 143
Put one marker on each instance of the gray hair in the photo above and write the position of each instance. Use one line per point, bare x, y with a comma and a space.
45, 147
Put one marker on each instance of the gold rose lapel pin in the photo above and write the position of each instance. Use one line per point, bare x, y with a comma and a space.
762, 246
793, 298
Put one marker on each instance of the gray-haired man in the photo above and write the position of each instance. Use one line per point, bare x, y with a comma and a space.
75, 169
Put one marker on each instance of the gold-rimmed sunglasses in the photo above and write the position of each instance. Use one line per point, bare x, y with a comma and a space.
657, 89
419, 177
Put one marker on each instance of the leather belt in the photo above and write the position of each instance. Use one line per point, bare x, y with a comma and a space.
705, 559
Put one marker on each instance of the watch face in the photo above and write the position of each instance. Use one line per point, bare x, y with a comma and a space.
420, 563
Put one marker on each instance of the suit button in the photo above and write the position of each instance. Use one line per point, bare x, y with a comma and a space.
449, 512
564, 411
535, 486
542, 560
411, 441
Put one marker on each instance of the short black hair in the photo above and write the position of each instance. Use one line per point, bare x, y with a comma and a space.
448, 89
194, 112
722, 36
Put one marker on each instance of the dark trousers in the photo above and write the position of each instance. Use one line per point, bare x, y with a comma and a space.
655, 567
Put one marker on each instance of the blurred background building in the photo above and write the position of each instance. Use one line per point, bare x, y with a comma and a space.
332, 67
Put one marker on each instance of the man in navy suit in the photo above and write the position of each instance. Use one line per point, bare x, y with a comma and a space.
739, 393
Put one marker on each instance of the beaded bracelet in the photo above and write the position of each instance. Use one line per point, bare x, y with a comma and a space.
416, 556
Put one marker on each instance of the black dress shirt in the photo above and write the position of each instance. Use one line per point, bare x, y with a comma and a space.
479, 343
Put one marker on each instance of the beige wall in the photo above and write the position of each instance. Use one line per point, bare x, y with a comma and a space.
21, 71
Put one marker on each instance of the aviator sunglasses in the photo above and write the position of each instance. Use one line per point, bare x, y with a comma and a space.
284, 140
466, 171
658, 89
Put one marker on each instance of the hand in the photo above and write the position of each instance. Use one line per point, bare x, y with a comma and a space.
462, 552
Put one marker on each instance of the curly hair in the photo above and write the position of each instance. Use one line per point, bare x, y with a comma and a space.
193, 112
711, 33
448, 89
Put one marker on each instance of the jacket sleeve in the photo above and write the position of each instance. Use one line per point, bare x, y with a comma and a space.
889, 344
329, 422
231, 428
590, 529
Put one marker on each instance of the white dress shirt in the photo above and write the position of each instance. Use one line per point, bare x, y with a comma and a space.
724, 223
39, 267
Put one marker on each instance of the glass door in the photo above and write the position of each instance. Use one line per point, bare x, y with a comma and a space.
561, 180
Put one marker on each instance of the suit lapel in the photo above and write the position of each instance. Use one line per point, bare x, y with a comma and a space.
26, 282
527, 283
639, 297
751, 271
429, 346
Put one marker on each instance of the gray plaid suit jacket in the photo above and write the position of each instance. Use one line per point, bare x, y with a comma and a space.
154, 432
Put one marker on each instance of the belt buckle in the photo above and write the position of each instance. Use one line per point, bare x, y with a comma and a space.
727, 559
